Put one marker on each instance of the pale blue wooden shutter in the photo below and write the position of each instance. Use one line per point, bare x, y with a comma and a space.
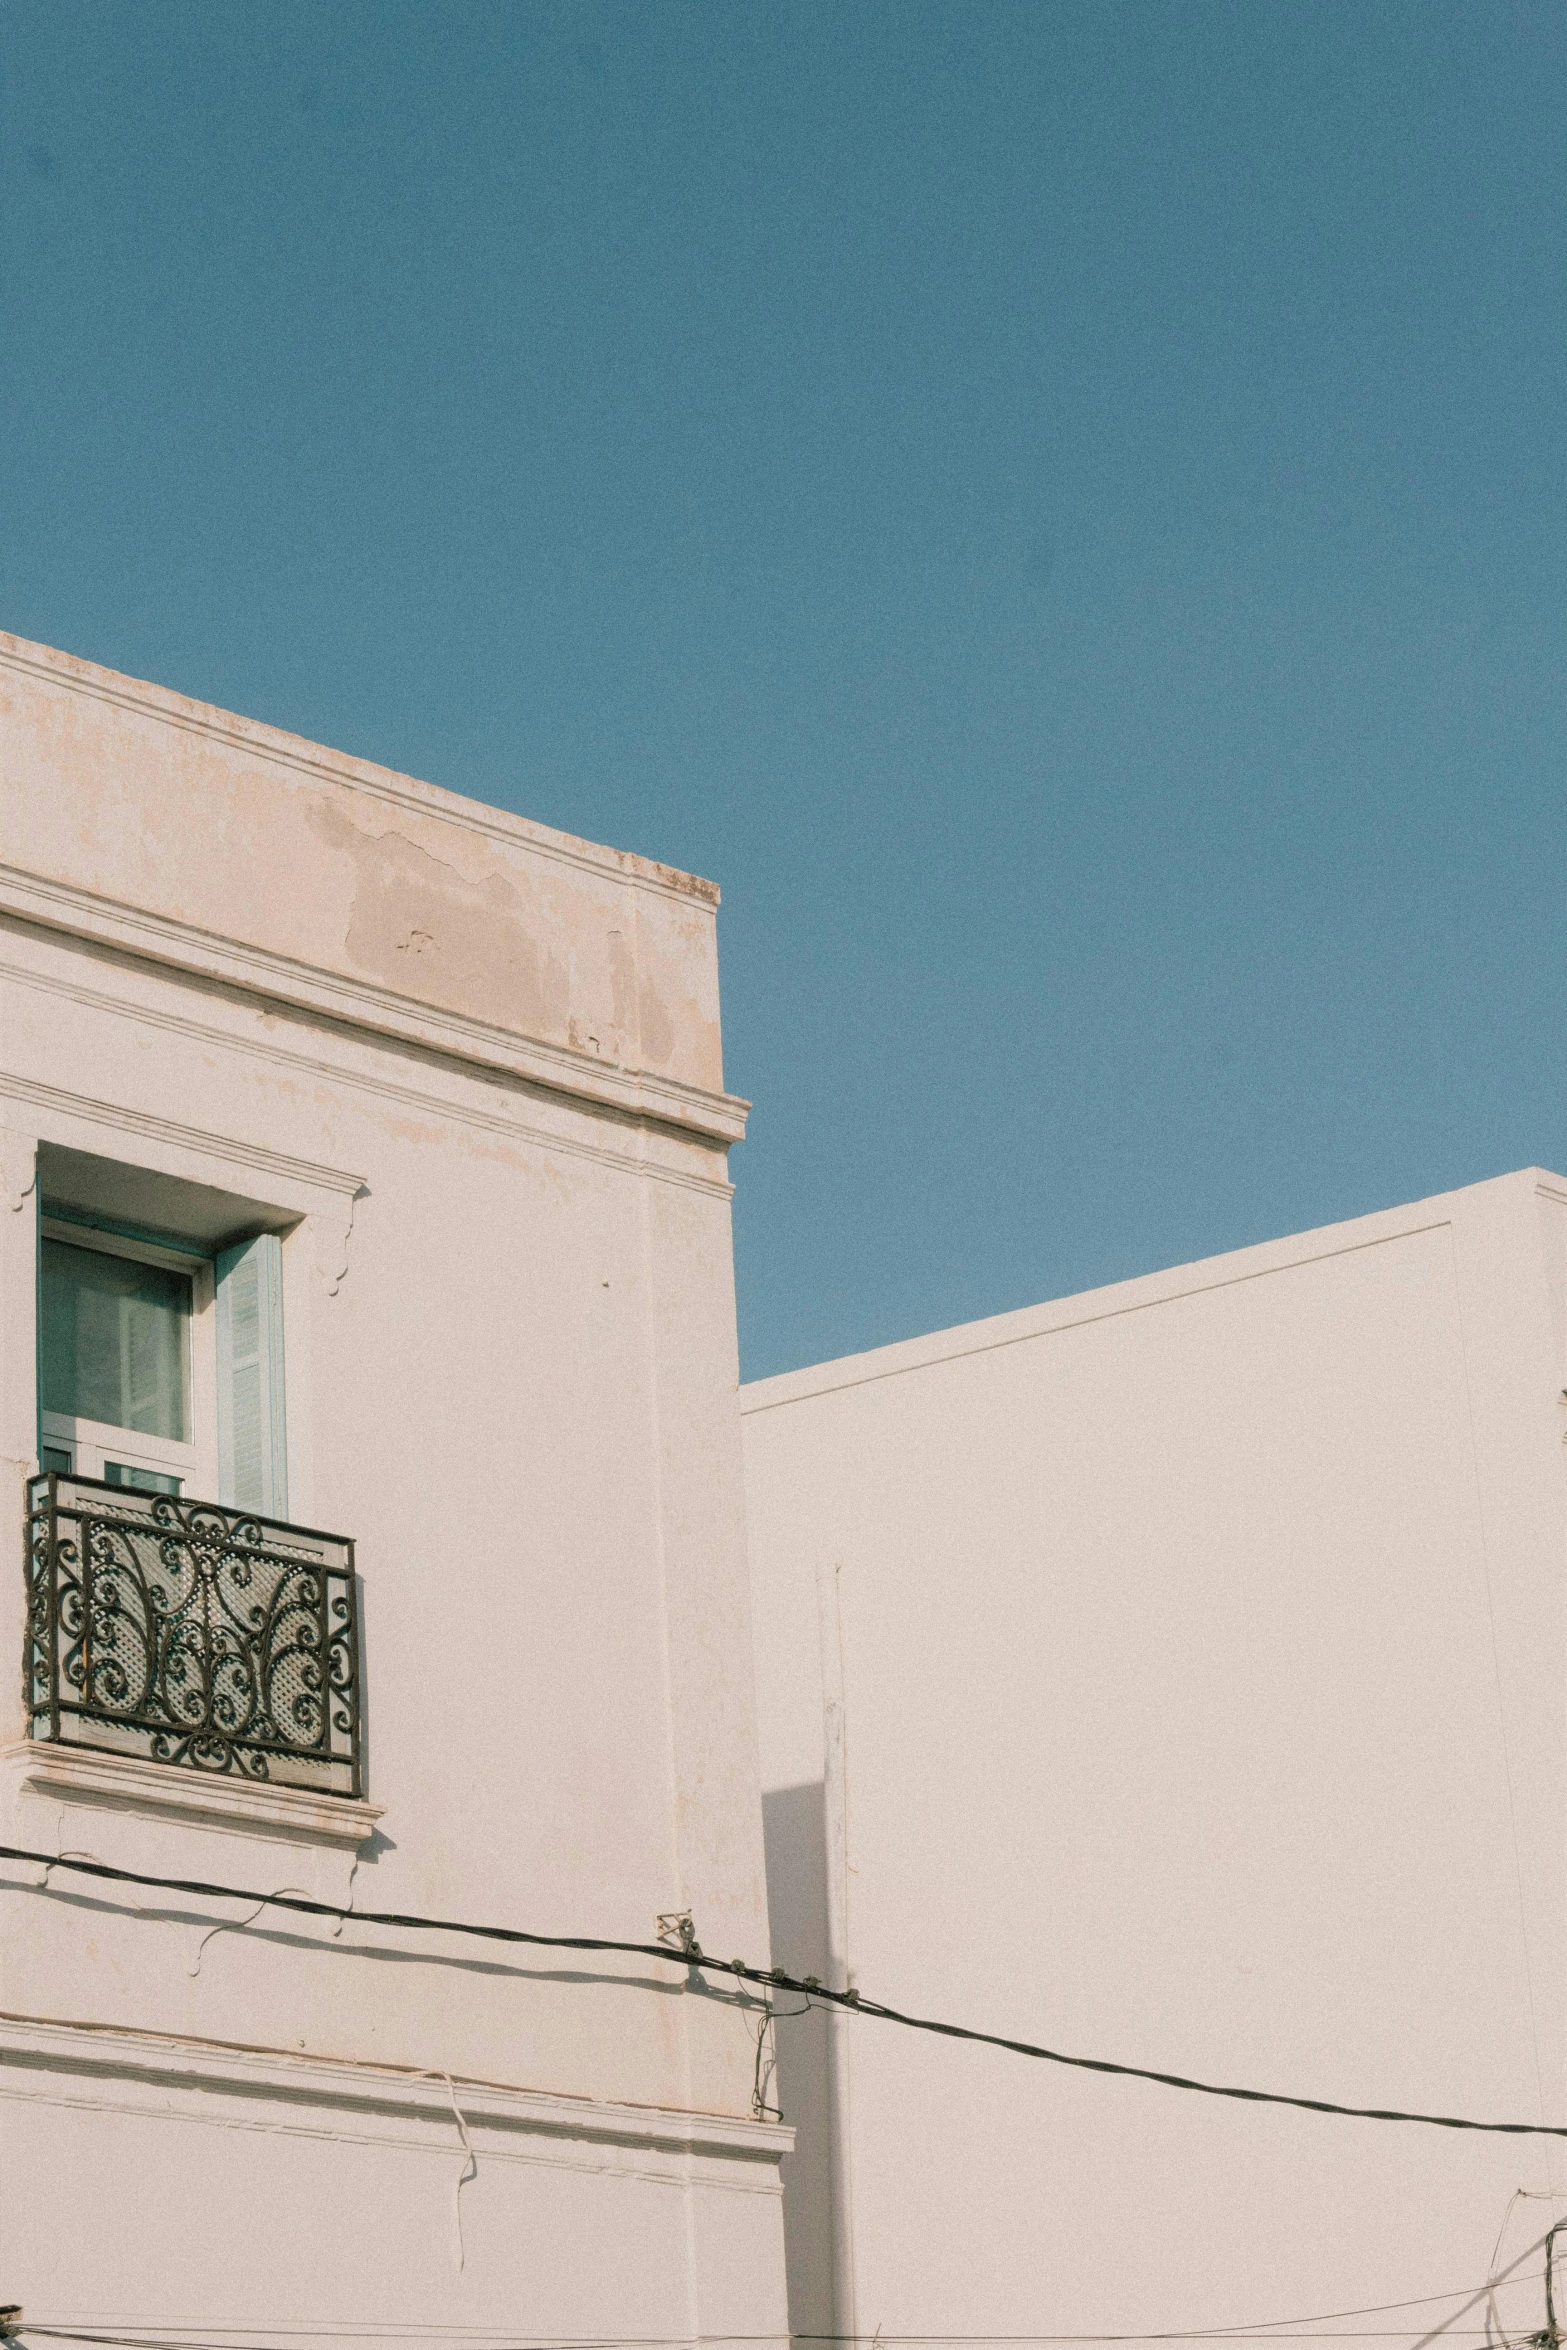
252, 1446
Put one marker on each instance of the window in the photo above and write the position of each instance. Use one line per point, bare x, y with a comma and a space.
161, 1366
167, 1620
115, 1349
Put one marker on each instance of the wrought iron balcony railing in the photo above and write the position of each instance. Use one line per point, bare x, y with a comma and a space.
185, 1633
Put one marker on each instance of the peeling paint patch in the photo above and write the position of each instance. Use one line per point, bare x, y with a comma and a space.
470, 942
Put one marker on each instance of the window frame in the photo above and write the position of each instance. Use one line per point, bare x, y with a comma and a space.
93, 1445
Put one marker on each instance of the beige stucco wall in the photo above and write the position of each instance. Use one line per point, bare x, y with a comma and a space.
1202, 1664
471, 1069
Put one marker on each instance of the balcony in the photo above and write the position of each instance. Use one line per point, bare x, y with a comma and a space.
180, 1632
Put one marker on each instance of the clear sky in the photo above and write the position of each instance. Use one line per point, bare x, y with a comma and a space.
1058, 509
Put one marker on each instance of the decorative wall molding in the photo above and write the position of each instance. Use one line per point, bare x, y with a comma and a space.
304, 1179
18, 1168
126, 1783
319, 2094
332, 1234
719, 1117
632, 1157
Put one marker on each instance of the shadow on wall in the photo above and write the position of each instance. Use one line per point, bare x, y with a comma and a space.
795, 1829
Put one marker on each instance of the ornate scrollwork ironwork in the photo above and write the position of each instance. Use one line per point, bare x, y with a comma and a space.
192, 1634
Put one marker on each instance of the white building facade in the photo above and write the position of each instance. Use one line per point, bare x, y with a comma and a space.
1177, 1675
363, 1159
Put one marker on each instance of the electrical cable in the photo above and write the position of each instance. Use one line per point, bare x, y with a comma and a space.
690, 1954
1323, 2325
479, 2339
156, 2341
1259, 2329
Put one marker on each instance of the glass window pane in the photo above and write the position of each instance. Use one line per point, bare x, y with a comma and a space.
53, 1458
115, 1340
144, 1480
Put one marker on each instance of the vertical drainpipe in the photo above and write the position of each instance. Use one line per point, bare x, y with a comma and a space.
835, 1803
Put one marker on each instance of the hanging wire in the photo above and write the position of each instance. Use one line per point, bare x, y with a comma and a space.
1320, 2325
693, 1956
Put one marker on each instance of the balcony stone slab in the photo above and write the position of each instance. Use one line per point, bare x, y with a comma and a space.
124, 1783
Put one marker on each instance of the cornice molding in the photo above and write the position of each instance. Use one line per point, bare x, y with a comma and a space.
67, 674
633, 1159
255, 971
159, 2061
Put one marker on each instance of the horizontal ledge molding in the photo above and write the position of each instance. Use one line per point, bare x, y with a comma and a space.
613, 1145
302, 1175
125, 1783
157, 938
45, 2044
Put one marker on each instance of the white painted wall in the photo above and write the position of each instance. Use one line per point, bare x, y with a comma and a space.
471, 1069
1203, 1708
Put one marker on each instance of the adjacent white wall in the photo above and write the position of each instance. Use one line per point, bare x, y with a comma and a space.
1202, 1656
471, 1069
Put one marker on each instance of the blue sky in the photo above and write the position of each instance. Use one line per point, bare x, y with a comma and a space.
1058, 509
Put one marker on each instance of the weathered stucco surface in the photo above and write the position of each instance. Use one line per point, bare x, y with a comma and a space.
241, 833
468, 1070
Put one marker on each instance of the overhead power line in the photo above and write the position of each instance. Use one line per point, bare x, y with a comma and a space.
690, 1954
157, 2340
167, 2341
135, 2334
